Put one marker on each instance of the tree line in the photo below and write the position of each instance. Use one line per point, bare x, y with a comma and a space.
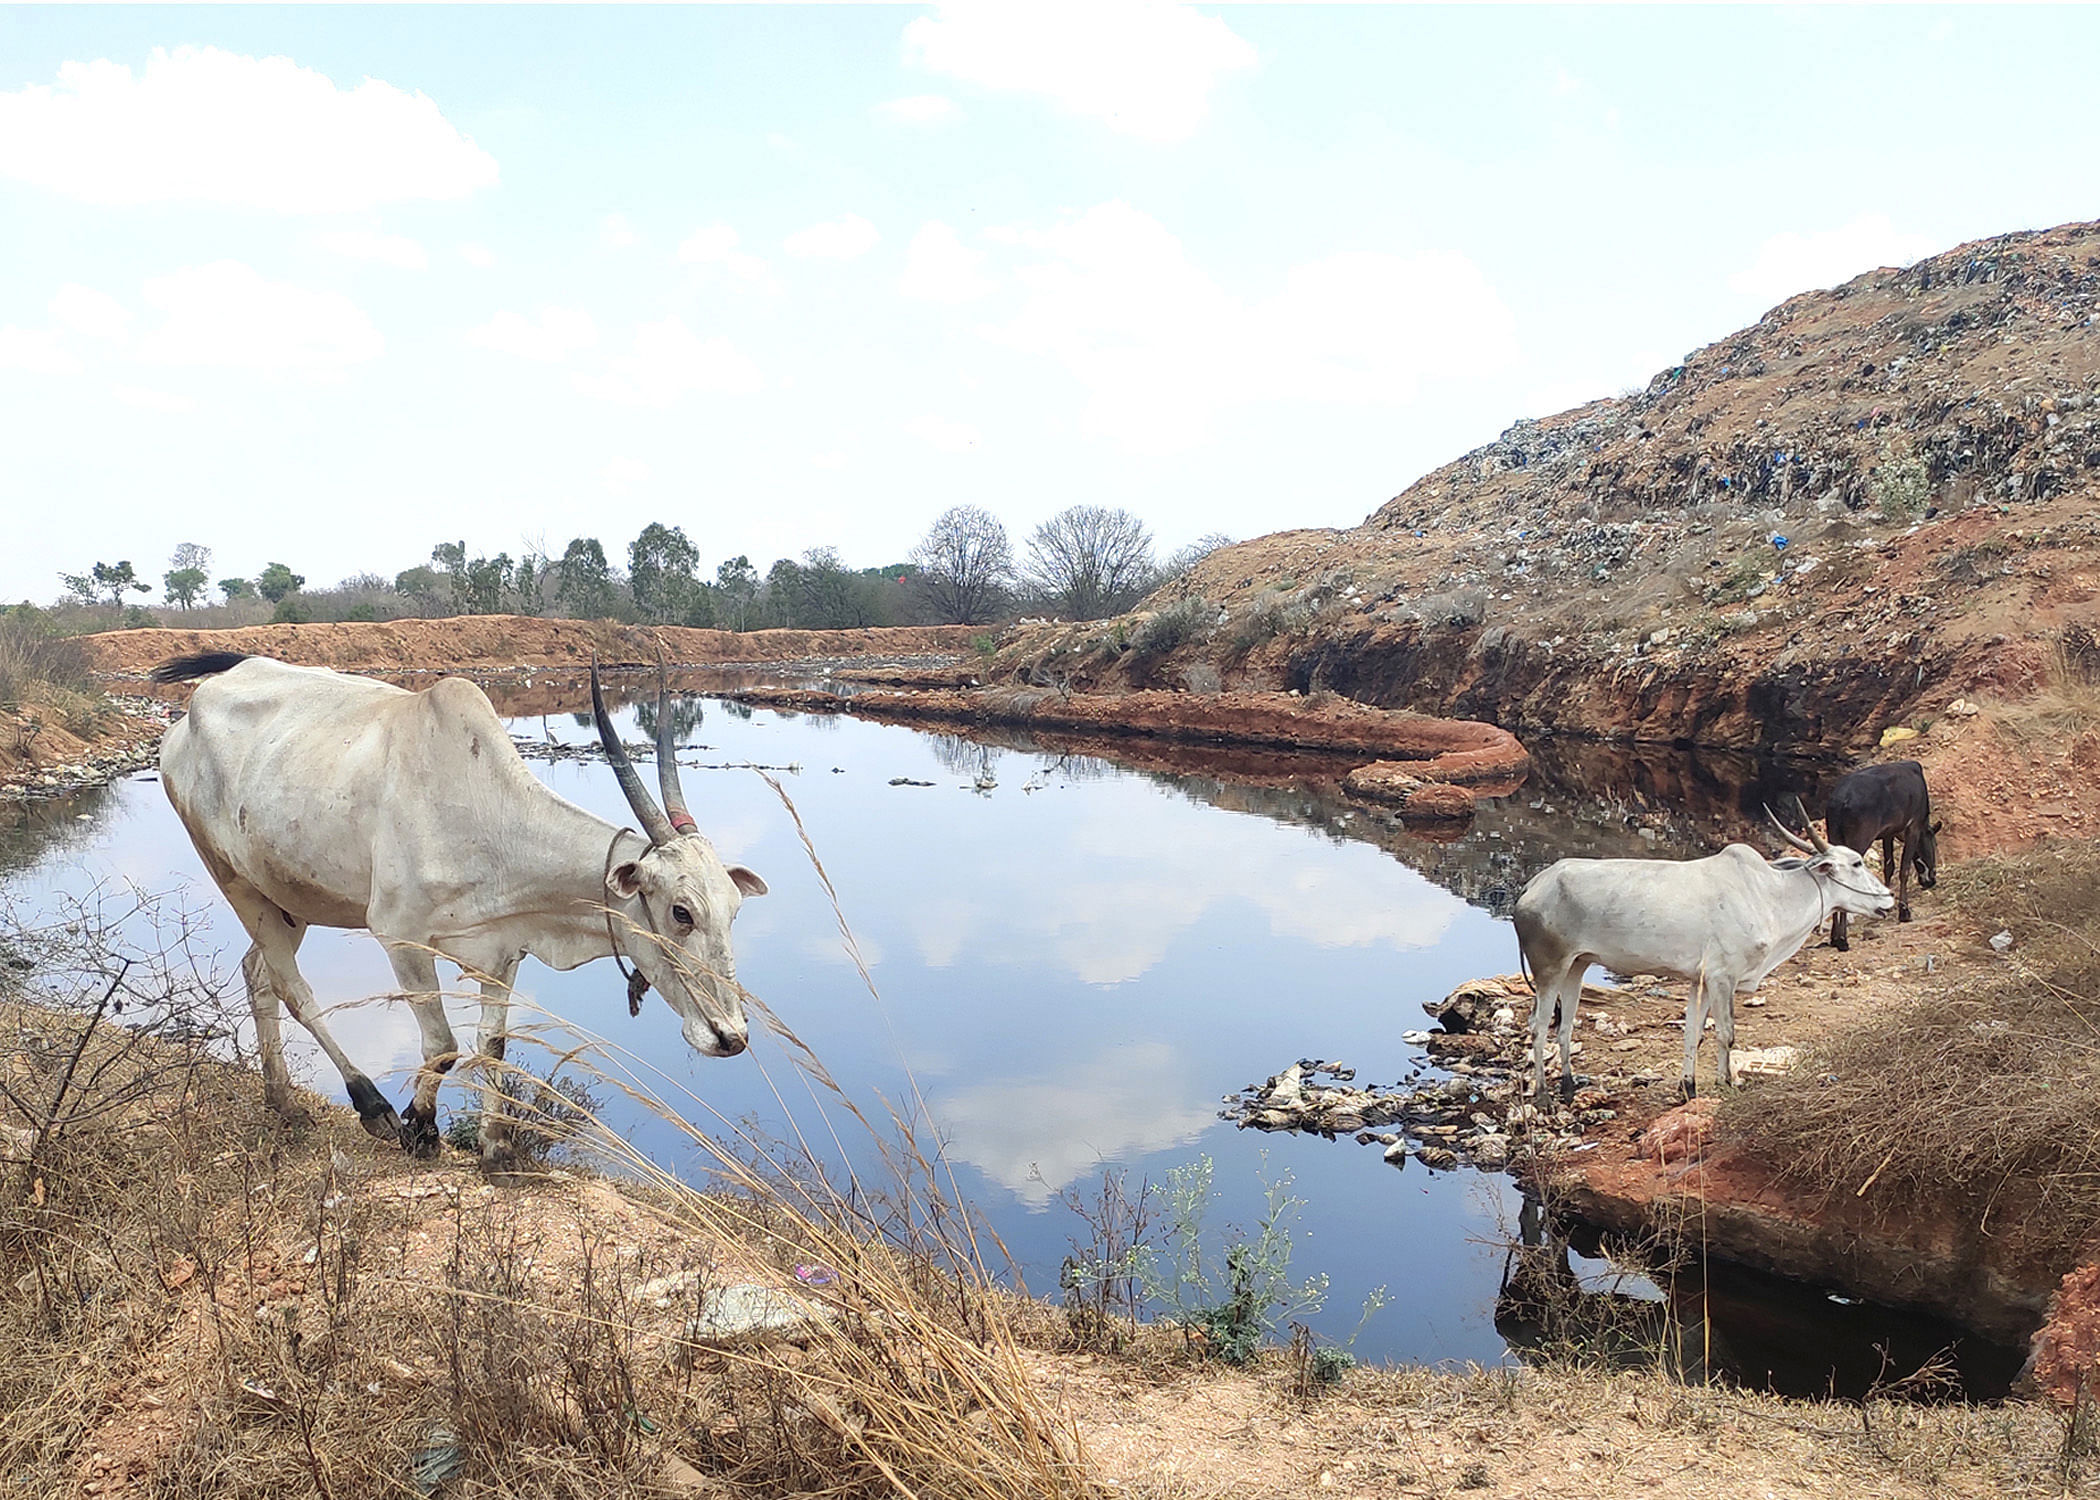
1083, 563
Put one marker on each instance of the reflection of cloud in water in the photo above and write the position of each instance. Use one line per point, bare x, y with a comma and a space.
940, 924
1037, 1135
1113, 926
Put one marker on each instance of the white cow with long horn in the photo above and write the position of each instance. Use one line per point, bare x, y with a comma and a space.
318, 799
1723, 922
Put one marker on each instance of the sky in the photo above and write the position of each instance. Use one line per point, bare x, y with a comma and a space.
331, 285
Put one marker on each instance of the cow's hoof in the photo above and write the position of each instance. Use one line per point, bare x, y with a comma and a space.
1567, 1091
498, 1156
1903, 914
1843, 945
419, 1135
1691, 1091
384, 1126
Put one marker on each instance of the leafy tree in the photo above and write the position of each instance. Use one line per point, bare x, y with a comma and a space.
660, 564
184, 586
737, 583
529, 581
1091, 560
451, 560
783, 592
189, 572
235, 588
421, 585
277, 581
831, 596
488, 581
585, 588
105, 578
965, 563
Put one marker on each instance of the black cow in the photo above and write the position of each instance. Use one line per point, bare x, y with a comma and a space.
1886, 802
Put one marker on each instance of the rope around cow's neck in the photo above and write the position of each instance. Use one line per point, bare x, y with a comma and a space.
637, 985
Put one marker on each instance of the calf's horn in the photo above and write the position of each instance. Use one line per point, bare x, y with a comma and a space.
654, 823
667, 750
1788, 834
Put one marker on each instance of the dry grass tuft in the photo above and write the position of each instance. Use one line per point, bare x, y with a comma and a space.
2067, 701
1980, 1100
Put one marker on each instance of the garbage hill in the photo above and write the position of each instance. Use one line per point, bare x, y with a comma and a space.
1879, 498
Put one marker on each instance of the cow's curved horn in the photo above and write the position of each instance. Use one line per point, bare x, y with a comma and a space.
667, 750
1788, 834
1808, 826
654, 823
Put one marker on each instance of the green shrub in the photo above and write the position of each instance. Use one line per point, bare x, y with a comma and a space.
292, 610
1192, 619
1901, 486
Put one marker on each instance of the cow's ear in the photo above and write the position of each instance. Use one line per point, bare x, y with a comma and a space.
624, 881
747, 881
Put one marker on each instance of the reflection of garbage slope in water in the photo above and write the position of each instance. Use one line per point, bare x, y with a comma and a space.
1727, 1322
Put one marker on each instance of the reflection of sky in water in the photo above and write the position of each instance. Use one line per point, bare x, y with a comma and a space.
1074, 974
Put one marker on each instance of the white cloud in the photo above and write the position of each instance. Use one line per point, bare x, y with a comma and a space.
1161, 347
669, 361
616, 233
716, 246
1143, 67
939, 267
625, 473
225, 314
481, 257
362, 244
828, 460
1790, 263
919, 109
836, 239
202, 125
152, 400
560, 332
36, 351
949, 437
87, 311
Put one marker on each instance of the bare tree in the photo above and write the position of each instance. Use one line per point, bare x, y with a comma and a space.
965, 563
1092, 560
1185, 558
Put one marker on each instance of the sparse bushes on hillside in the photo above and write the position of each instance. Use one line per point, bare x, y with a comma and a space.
37, 659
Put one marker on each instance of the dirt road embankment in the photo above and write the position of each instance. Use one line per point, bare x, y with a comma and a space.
481, 643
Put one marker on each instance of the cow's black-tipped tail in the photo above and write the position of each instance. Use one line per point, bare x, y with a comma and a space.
199, 664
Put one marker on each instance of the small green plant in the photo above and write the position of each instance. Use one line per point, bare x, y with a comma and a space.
292, 610
984, 645
1236, 1311
544, 1114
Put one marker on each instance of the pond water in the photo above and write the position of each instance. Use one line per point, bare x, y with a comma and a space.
1073, 962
